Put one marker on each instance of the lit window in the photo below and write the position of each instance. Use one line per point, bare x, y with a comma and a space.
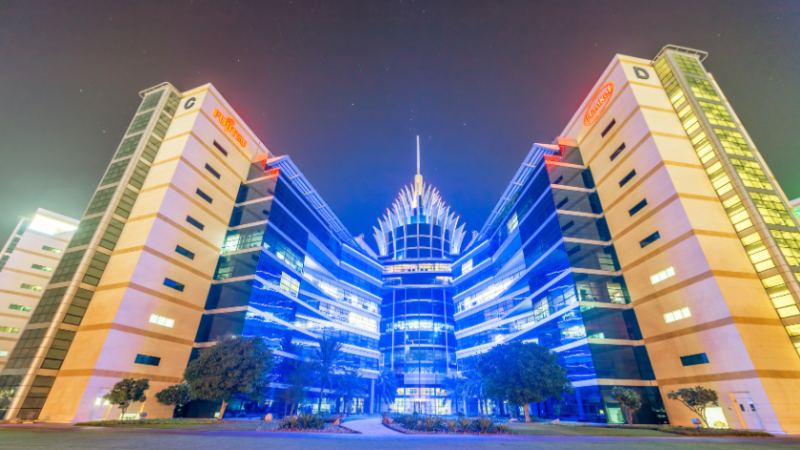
9, 330
51, 249
41, 267
31, 287
19, 307
663, 275
467, 267
161, 320
678, 314
3, 353
289, 284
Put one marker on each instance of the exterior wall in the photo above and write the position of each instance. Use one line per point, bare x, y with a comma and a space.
285, 276
732, 318
24, 261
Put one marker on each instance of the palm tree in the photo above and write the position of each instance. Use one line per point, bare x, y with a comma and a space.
326, 361
349, 384
474, 386
386, 387
455, 389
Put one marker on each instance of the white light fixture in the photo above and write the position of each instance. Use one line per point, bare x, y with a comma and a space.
48, 225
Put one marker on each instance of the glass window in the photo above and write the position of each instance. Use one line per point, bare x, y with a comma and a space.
140, 122
96, 268
772, 209
182, 251
204, 196
31, 287
147, 360
617, 151
717, 114
139, 175
112, 234
702, 147
51, 249
638, 207
220, 148
627, 178
115, 172
212, 171
751, 174
9, 330
702, 88
100, 201
689, 65
150, 101
83, 235
19, 307
678, 314
161, 320
649, 239
151, 149
693, 360
789, 243
126, 203
42, 268
662, 275
128, 146
195, 222
733, 142
173, 284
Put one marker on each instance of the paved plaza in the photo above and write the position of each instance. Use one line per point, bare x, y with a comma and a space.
375, 437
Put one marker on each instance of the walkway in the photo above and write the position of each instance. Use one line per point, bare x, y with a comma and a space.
372, 427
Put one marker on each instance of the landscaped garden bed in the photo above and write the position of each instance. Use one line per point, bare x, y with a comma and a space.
569, 429
311, 423
420, 424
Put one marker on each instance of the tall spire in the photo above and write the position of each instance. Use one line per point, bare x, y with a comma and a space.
418, 176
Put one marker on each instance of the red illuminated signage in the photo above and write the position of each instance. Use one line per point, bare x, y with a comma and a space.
228, 123
598, 103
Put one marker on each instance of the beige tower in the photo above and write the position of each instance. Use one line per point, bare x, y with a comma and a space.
703, 232
143, 256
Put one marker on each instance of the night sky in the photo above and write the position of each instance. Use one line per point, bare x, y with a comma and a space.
343, 87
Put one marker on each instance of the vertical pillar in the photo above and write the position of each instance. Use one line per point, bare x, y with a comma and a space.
371, 396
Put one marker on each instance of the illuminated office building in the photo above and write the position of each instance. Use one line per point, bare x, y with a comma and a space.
26, 264
417, 241
648, 245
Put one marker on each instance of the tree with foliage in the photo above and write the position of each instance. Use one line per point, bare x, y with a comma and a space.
128, 391
297, 375
697, 399
349, 385
523, 374
232, 366
629, 400
326, 361
176, 395
455, 390
386, 387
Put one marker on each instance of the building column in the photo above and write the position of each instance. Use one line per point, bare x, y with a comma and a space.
371, 396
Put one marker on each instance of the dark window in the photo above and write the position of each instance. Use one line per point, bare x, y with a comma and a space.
204, 196
618, 151
627, 178
219, 147
638, 207
212, 171
194, 222
650, 239
693, 360
608, 128
173, 284
147, 360
562, 203
184, 252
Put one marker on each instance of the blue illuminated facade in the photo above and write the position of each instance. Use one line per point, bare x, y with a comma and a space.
543, 269
290, 273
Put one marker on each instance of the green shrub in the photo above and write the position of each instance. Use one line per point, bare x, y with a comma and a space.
431, 423
464, 424
289, 423
452, 425
309, 422
482, 425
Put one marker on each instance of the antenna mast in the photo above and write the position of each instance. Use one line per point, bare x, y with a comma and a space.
418, 177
